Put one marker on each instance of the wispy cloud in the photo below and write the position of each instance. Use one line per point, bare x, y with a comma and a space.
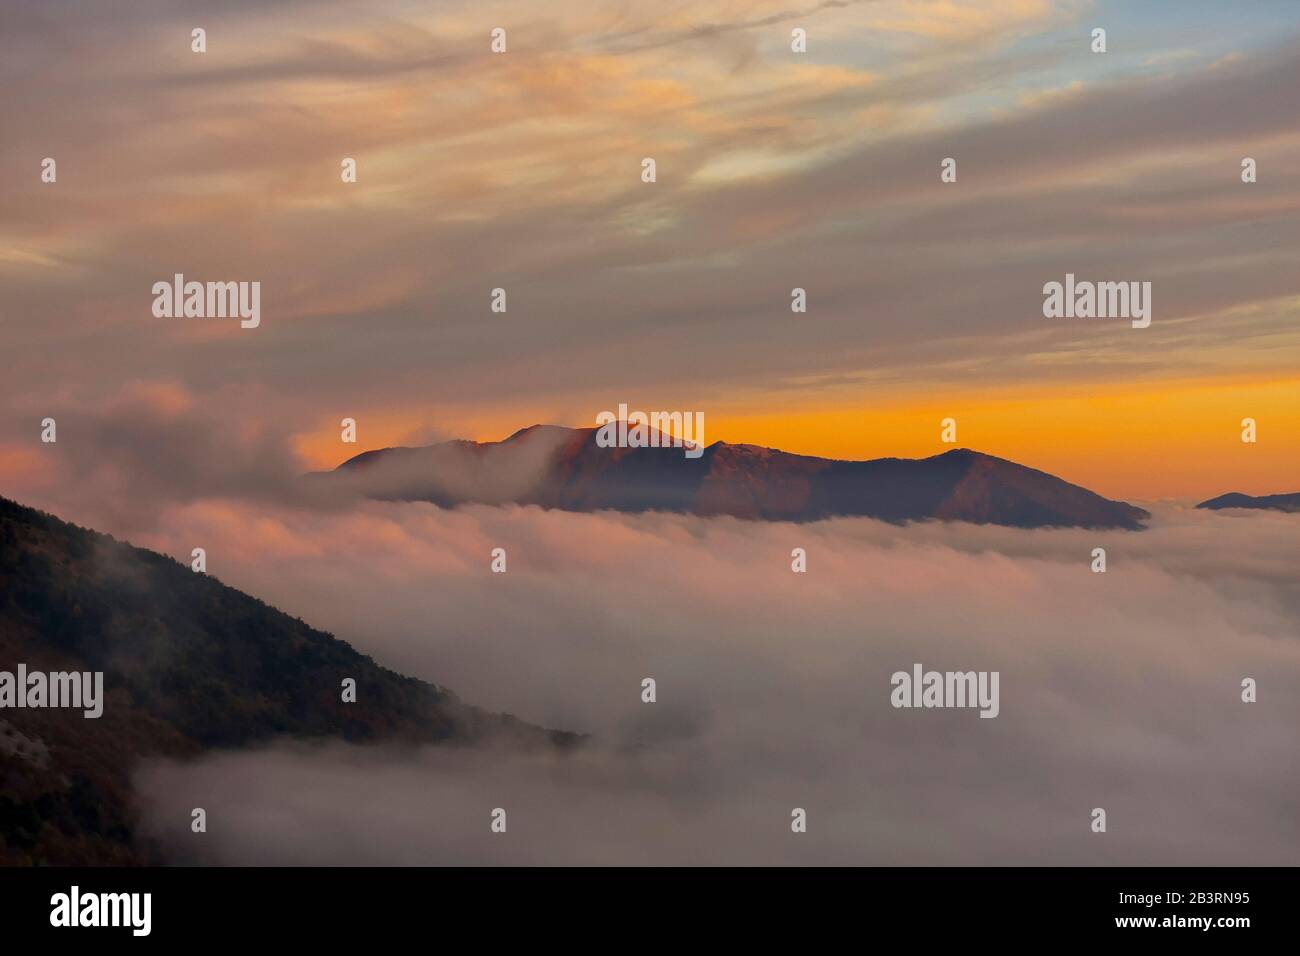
521, 171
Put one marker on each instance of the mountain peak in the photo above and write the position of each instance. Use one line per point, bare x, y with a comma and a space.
1235, 499
568, 470
537, 429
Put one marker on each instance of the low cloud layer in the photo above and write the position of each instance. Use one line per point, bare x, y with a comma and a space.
776, 171
1118, 690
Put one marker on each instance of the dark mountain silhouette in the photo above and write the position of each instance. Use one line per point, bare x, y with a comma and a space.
189, 664
564, 468
1235, 499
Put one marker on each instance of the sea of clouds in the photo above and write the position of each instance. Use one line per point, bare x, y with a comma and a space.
1118, 690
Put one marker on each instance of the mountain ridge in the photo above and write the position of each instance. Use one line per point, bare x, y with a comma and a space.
1286, 501
564, 468
189, 665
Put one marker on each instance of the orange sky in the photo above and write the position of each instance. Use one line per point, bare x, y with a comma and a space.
1160, 440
